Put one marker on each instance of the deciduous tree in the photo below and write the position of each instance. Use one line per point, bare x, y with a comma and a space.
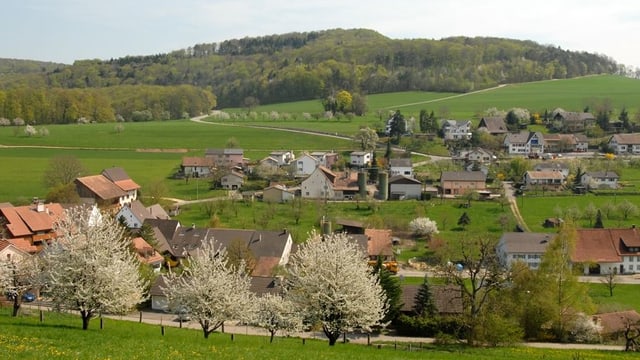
210, 289
62, 170
331, 283
17, 276
90, 267
366, 138
275, 313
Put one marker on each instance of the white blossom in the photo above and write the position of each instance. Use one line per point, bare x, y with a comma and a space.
90, 268
211, 290
30, 131
18, 276
423, 226
275, 313
330, 281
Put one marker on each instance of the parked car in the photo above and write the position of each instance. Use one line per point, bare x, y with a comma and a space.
28, 297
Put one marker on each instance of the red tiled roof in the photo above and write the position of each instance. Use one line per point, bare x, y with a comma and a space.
595, 245
27, 220
127, 185
101, 186
198, 161
379, 242
24, 245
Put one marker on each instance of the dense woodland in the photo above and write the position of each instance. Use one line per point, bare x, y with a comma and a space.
280, 68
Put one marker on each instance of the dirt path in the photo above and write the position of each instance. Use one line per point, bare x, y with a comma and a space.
513, 204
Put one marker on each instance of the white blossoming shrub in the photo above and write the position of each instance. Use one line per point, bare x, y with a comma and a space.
423, 226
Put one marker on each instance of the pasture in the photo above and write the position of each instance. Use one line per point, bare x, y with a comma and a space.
59, 337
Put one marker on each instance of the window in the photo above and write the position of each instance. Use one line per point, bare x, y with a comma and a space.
631, 267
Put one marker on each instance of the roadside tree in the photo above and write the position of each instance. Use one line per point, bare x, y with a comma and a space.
210, 289
275, 313
331, 283
90, 267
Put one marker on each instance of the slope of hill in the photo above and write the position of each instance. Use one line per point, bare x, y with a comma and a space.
17, 66
298, 66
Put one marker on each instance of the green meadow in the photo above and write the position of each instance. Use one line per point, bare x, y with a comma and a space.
59, 336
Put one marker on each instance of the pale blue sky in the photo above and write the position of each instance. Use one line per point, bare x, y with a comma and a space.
68, 30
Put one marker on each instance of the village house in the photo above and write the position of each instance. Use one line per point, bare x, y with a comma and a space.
494, 125
193, 166
559, 166
547, 180
456, 130
613, 324
400, 166
600, 180
602, 251
325, 158
146, 254
524, 143
133, 215
625, 143
305, 165
448, 299
325, 184
110, 190
525, 247
269, 163
360, 158
459, 182
477, 155
226, 158
10, 252
29, 227
559, 143
568, 121
283, 157
232, 181
278, 194
404, 188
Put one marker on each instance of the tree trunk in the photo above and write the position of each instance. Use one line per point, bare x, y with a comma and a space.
86, 316
16, 306
273, 333
331, 335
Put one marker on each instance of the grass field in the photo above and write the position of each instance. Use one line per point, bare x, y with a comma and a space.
625, 297
60, 337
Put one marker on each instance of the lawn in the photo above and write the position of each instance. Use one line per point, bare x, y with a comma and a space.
60, 337
625, 297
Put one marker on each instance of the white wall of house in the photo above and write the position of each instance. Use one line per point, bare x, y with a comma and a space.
360, 159
159, 302
405, 191
317, 186
305, 165
401, 170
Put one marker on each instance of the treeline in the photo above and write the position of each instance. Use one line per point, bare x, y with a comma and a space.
44, 105
299, 66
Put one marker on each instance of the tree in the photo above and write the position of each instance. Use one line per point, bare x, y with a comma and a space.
274, 313
63, 193
249, 103
610, 280
17, 276
590, 211
478, 274
598, 224
210, 289
398, 126
90, 267
560, 283
239, 254
464, 220
366, 138
392, 291
62, 170
624, 118
424, 303
627, 209
423, 226
344, 101
359, 104
330, 281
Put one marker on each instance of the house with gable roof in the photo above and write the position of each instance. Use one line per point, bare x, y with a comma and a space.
552, 180
403, 187
195, 166
226, 158
600, 179
278, 194
10, 252
326, 184
232, 181
133, 215
559, 166
400, 166
29, 227
146, 254
525, 247
602, 251
524, 143
282, 157
625, 143
459, 182
494, 125
109, 190
456, 130
360, 158
570, 121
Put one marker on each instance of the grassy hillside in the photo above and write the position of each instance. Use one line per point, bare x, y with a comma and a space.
60, 337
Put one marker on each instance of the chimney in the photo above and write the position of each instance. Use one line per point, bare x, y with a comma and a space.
40, 206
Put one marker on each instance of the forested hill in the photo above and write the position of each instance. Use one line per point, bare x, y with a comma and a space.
297, 66
15, 66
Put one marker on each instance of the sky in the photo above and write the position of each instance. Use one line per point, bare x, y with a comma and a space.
68, 30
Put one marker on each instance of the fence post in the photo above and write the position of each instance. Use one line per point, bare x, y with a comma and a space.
162, 329
304, 341
368, 339
231, 336
101, 324
140, 320
41, 316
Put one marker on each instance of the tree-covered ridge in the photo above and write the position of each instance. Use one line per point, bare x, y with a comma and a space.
298, 66
17, 66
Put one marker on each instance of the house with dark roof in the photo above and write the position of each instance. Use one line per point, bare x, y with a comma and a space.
404, 188
29, 227
558, 143
625, 143
559, 166
476, 155
282, 157
525, 247
459, 182
600, 180
494, 125
133, 215
456, 130
570, 121
602, 251
447, 299
524, 143
232, 180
